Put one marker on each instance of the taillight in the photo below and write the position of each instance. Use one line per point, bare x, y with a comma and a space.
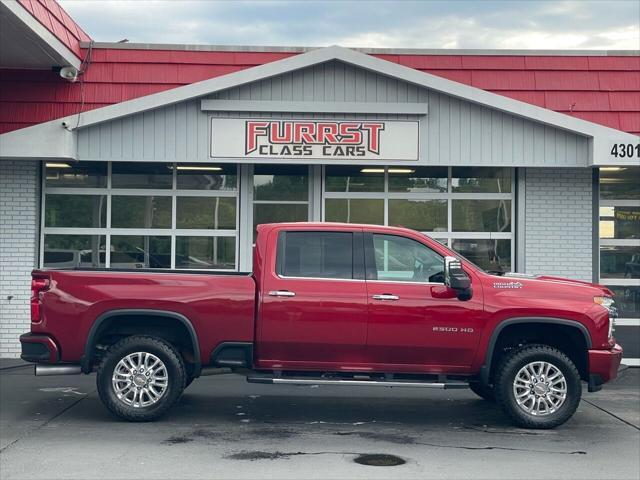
39, 284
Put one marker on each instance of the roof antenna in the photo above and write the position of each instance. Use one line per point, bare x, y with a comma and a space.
124, 40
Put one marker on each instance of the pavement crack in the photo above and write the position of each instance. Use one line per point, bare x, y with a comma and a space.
612, 414
505, 432
511, 449
407, 440
260, 455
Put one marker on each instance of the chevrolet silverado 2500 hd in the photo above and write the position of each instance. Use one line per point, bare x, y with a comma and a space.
334, 304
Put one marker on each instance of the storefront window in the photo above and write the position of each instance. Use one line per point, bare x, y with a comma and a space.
76, 174
418, 180
620, 222
140, 251
466, 208
218, 213
354, 179
91, 228
75, 211
491, 255
207, 177
281, 182
619, 261
141, 175
620, 237
354, 210
70, 251
279, 212
422, 215
481, 215
206, 252
129, 211
620, 183
481, 180
280, 194
627, 300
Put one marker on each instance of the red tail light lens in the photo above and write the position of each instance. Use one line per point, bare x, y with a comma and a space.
38, 286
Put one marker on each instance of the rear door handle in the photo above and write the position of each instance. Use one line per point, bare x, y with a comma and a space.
386, 296
281, 293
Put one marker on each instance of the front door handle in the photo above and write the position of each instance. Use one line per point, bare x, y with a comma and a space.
386, 296
281, 293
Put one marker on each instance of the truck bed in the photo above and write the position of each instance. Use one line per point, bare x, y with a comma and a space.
219, 305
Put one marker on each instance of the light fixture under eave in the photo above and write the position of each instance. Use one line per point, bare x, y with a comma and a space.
200, 169
57, 165
391, 170
612, 169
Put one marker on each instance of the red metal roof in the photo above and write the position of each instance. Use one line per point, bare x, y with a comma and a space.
601, 89
50, 14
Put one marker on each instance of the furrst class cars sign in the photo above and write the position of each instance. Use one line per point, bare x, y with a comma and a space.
314, 139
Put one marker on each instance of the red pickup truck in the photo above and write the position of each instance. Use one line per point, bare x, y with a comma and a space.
329, 304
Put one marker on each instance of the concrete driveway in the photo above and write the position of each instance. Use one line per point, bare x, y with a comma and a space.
56, 427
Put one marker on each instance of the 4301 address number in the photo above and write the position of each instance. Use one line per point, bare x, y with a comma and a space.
625, 150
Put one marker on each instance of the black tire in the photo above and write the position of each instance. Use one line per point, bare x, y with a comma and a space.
506, 374
483, 391
175, 373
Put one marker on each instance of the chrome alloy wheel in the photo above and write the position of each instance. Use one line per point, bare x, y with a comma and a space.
140, 379
540, 388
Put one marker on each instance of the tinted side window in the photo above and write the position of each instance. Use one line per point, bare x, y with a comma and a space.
404, 260
316, 254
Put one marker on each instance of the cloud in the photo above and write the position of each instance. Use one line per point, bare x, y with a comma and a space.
612, 24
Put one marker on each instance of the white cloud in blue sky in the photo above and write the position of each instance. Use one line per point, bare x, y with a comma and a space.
612, 24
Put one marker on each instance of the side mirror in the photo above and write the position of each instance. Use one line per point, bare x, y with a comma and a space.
456, 278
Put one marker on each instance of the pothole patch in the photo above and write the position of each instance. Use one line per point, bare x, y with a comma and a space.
379, 460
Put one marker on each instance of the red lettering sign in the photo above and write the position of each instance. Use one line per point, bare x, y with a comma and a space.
365, 134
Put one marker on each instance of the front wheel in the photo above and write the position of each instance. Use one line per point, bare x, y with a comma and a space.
538, 387
140, 378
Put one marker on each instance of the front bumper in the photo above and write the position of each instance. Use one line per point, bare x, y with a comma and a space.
603, 366
39, 348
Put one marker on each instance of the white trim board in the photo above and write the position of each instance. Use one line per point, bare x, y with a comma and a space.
382, 108
12, 144
371, 50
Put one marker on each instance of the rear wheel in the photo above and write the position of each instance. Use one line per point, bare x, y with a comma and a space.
538, 387
140, 378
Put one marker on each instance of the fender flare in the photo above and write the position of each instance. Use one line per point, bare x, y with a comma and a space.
485, 370
87, 357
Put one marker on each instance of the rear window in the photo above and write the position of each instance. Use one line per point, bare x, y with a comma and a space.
315, 254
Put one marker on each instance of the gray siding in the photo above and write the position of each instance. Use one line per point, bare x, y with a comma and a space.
456, 132
558, 212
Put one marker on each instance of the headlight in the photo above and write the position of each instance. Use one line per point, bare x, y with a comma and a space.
608, 303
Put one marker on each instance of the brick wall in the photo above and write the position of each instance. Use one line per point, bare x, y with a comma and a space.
19, 204
558, 210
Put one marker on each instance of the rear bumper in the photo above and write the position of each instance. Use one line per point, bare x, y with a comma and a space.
603, 366
39, 348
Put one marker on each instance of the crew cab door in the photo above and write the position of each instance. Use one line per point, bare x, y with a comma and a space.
313, 310
416, 323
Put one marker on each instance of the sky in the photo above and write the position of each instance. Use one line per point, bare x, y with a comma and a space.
541, 24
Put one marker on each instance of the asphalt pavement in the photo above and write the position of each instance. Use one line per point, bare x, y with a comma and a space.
223, 427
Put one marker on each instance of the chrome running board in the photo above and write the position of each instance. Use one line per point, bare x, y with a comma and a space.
356, 383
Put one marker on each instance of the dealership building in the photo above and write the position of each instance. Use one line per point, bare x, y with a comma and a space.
129, 156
